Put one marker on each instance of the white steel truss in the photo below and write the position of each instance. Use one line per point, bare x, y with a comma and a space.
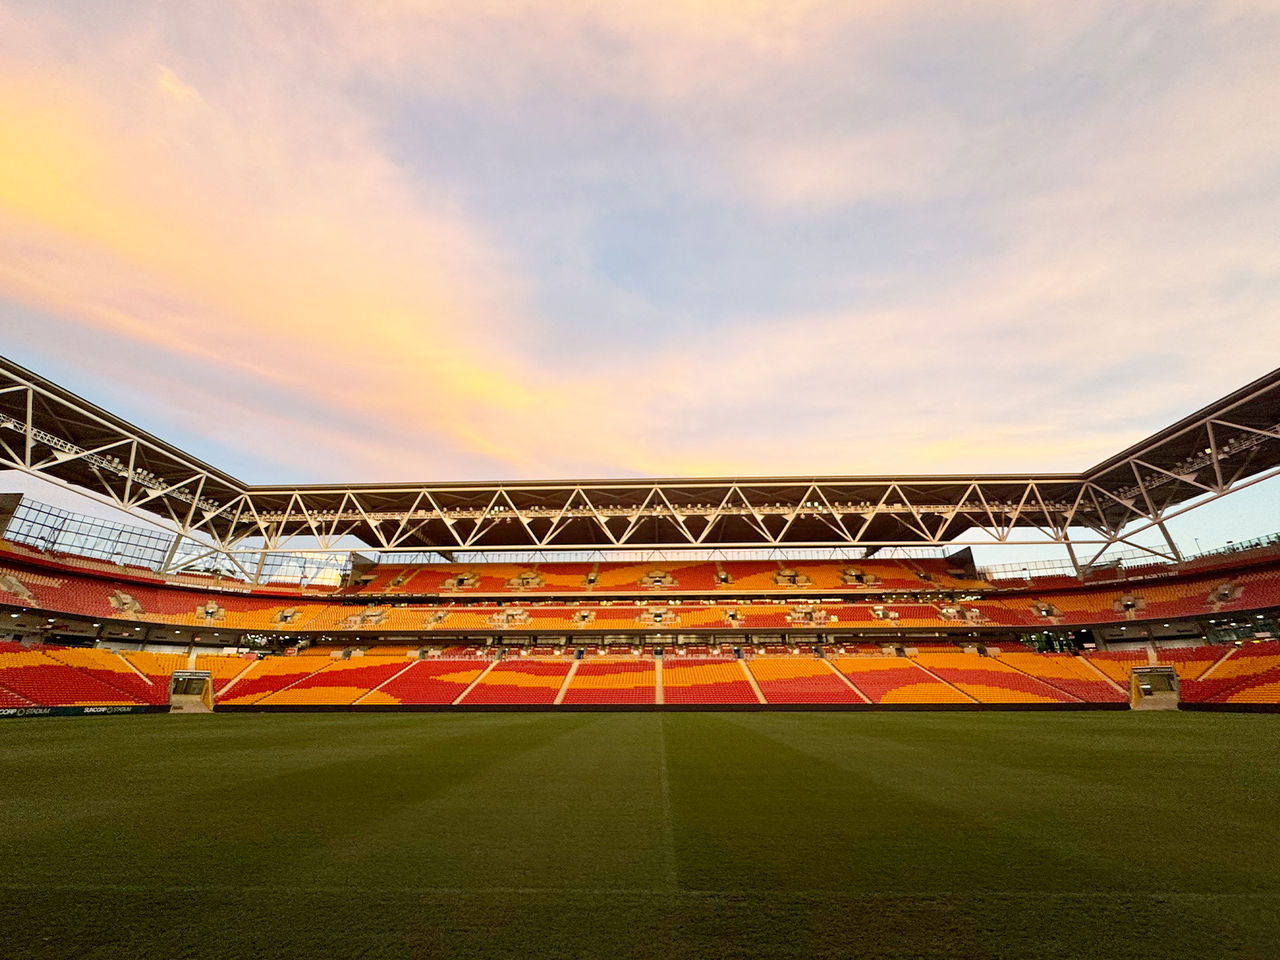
50, 432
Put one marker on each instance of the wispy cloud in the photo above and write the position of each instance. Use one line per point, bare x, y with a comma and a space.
868, 246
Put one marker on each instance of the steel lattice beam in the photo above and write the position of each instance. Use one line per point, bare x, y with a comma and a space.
50, 432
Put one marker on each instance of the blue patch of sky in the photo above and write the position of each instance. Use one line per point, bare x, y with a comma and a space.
609, 207
116, 376
615, 223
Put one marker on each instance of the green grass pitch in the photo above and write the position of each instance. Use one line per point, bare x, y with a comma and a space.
599, 835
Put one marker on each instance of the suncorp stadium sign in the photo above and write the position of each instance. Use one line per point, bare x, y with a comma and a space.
79, 711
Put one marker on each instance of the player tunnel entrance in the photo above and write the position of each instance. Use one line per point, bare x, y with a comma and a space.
191, 691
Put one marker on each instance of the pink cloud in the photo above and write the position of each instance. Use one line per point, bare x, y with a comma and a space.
242, 207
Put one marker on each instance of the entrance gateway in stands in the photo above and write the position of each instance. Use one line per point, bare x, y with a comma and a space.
191, 691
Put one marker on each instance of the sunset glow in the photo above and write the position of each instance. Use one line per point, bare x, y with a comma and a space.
492, 240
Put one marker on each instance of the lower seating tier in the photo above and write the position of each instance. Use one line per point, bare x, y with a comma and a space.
40, 679
265, 677
427, 682
613, 681
1261, 688
113, 671
801, 680
526, 680
988, 680
897, 680
1068, 674
77, 676
340, 682
690, 680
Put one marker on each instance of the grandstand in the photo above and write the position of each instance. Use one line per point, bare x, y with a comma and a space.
642, 481
821, 635
586, 719
559, 610
847, 645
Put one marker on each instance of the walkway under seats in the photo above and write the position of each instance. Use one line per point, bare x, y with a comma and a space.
522, 680
705, 680
988, 680
339, 682
897, 680
428, 682
1069, 674
613, 681
800, 680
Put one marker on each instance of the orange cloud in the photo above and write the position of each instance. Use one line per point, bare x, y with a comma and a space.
245, 209
211, 232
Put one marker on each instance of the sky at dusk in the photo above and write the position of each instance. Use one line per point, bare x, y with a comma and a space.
363, 240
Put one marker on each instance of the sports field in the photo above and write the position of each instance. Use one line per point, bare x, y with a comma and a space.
641, 835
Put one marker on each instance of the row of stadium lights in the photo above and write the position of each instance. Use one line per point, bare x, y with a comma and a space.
1199, 461
149, 480
703, 510
807, 508
114, 465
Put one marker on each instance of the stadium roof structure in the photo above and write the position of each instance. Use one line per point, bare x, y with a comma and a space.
50, 432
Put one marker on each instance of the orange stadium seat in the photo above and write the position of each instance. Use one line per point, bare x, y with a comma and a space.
265, 677
1190, 662
40, 678
223, 669
988, 680
339, 682
428, 682
750, 575
800, 680
564, 577
1263, 687
897, 680
526, 680
156, 665
709, 680
1249, 667
613, 681
1118, 664
1069, 674
112, 670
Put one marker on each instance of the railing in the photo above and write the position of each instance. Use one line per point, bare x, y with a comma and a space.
1120, 561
